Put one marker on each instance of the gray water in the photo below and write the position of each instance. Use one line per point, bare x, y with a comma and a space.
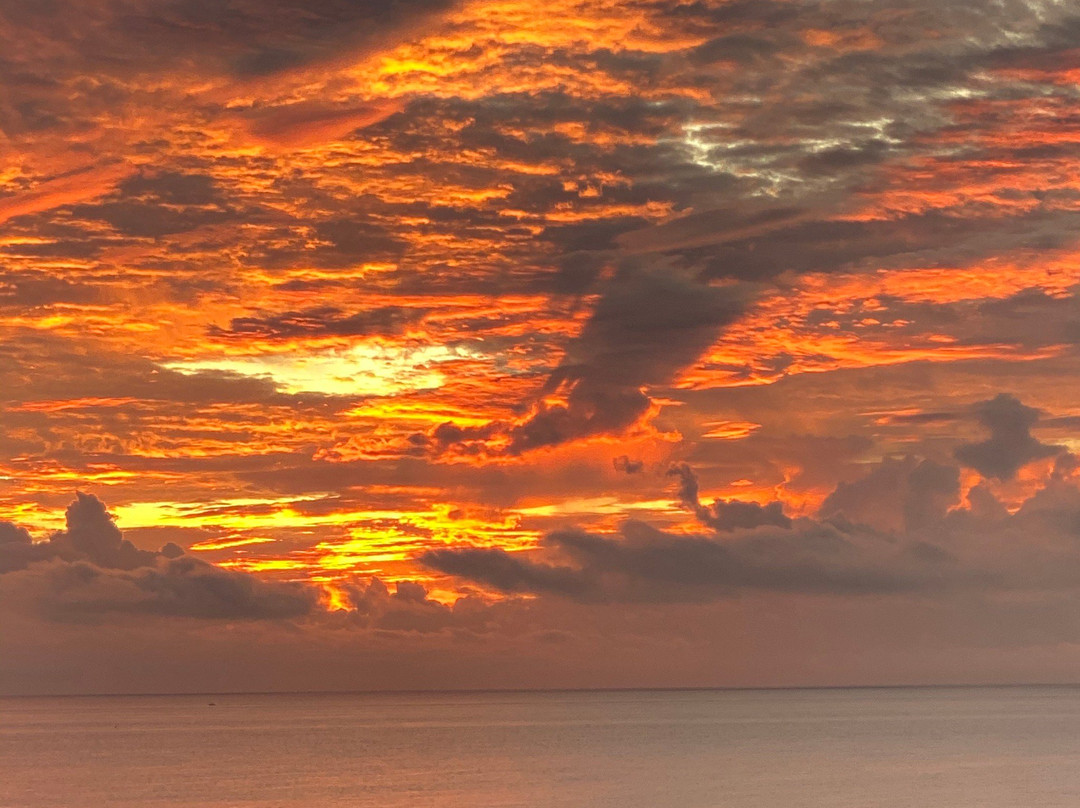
918, 748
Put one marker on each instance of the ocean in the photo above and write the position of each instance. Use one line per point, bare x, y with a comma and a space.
1016, 747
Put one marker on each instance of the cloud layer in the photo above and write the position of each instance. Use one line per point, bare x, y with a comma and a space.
88, 570
342, 299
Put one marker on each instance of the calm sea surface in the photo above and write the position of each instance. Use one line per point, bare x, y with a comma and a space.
918, 748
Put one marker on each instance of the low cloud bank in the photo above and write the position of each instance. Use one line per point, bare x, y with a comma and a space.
89, 570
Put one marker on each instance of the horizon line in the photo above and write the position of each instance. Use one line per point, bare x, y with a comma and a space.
551, 690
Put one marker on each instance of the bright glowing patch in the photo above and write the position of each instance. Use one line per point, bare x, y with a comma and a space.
595, 505
367, 369
229, 542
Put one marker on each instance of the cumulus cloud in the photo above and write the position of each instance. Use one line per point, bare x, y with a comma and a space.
1011, 445
897, 494
899, 528
92, 535
179, 587
89, 570
13, 534
17, 549
406, 609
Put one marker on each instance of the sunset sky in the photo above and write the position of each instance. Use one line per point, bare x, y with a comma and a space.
418, 343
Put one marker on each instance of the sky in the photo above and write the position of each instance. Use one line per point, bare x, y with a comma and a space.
622, 343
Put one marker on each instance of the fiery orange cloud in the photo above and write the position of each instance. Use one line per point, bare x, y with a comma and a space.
80, 185
341, 298
305, 124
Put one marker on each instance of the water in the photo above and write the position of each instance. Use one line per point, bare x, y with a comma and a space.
918, 748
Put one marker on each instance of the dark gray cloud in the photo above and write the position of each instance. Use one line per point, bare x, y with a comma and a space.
88, 570
17, 550
359, 240
647, 564
649, 324
730, 514
323, 321
329, 243
155, 205
249, 37
507, 572
831, 246
41, 367
1010, 445
13, 534
407, 609
92, 535
898, 528
29, 290
176, 587
172, 188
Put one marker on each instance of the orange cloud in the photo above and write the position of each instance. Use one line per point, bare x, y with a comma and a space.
82, 185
